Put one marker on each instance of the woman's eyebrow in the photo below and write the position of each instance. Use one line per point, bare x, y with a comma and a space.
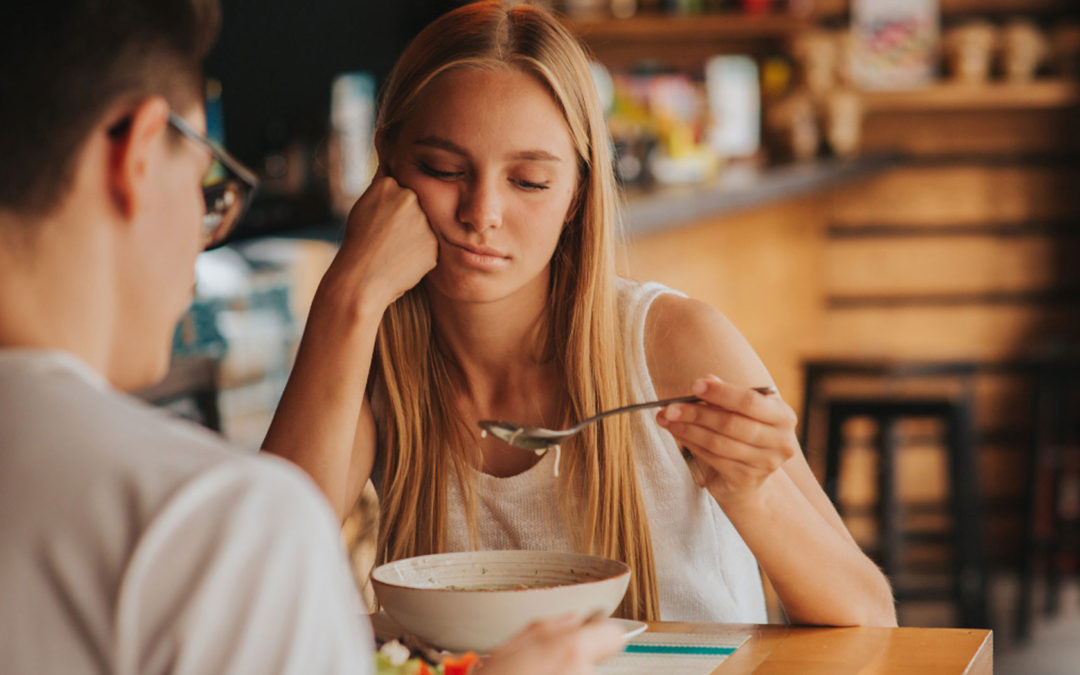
450, 146
441, 144
536, 155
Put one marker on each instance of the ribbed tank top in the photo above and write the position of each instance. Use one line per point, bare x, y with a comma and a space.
704, 570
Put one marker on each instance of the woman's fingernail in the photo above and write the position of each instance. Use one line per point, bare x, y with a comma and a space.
699, 387
673, 412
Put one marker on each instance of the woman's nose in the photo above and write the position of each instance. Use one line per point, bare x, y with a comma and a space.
480, 207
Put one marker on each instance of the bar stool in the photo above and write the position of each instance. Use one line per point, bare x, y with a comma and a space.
1051, 520
967, 585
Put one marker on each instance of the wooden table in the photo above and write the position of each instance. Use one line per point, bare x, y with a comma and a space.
833, 651
804, 650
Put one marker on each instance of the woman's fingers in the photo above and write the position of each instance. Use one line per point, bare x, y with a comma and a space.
388, 245
724, 422
768, 408
708, 445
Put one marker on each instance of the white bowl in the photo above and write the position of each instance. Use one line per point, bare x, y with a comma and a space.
475, 601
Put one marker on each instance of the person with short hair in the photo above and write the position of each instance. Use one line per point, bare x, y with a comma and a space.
131, 542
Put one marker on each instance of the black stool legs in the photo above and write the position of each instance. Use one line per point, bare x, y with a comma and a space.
968, 584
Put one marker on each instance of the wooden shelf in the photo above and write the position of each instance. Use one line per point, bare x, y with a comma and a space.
948, 96
664, 29
684, 42
823, 8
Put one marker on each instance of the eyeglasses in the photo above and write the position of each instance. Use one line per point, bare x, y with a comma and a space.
227, 189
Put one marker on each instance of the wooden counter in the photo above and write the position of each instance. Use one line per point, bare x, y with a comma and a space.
740, 188
834, 651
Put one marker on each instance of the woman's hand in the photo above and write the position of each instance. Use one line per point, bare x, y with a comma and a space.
388, 245
566, 646
740, 437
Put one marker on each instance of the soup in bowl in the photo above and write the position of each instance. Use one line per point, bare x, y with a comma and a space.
477, 600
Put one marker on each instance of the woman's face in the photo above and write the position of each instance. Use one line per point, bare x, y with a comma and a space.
490, 157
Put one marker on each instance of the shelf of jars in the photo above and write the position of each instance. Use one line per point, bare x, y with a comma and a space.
827, 8
658, 28
685, 42
943, 96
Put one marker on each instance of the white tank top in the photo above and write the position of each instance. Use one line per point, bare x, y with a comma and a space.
704, 570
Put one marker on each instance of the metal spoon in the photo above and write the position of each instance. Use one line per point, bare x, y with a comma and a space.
539, 439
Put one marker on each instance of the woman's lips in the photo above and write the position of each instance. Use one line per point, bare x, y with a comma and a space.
480, 257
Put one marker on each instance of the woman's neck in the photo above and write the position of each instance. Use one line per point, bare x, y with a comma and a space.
499, 347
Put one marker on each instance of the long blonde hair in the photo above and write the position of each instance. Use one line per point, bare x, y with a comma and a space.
413, 375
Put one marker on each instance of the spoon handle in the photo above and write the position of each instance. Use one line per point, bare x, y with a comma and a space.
638, 406
764, 391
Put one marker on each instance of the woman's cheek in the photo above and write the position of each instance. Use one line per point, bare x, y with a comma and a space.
436, 197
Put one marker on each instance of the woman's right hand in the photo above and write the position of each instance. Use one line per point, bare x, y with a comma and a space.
565, 645
388, 245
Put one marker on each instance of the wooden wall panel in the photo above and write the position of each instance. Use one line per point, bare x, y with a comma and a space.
932, 261
961, 195
945, 332
960, 132
946, 265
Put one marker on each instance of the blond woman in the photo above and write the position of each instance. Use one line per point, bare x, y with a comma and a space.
476, 281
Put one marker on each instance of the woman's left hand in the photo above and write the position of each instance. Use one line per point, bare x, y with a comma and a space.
739, 436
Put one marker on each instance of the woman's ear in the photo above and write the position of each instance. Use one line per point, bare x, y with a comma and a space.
133, 153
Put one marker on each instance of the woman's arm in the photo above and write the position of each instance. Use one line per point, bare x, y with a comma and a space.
754, 468
323, 422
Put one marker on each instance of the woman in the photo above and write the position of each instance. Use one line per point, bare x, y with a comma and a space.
478, 283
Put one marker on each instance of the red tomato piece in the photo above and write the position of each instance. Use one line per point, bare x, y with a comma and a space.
461, 665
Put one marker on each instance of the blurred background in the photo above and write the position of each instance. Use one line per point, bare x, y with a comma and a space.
881, 194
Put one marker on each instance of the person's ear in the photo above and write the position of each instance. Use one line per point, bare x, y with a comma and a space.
133, 154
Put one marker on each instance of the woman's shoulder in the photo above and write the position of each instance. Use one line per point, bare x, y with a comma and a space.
631, 292
687, 338
675, 318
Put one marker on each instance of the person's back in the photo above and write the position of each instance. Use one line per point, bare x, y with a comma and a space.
133, 543
130, 542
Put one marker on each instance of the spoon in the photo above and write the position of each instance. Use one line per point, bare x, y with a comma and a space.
539, 439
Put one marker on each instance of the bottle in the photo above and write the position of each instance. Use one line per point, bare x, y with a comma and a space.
352, 125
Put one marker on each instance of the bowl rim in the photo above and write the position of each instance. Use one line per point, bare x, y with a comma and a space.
624, 570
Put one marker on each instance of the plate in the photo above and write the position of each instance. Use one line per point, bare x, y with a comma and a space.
630, 628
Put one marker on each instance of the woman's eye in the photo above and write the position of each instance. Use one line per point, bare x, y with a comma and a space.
437, 173
529, 185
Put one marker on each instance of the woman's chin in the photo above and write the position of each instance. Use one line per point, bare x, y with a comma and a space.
468, 286
465, 287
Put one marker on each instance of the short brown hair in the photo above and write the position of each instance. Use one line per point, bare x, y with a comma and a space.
67, 61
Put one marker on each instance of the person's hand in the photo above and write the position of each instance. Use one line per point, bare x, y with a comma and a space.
740, 437
565, 645
388, 245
